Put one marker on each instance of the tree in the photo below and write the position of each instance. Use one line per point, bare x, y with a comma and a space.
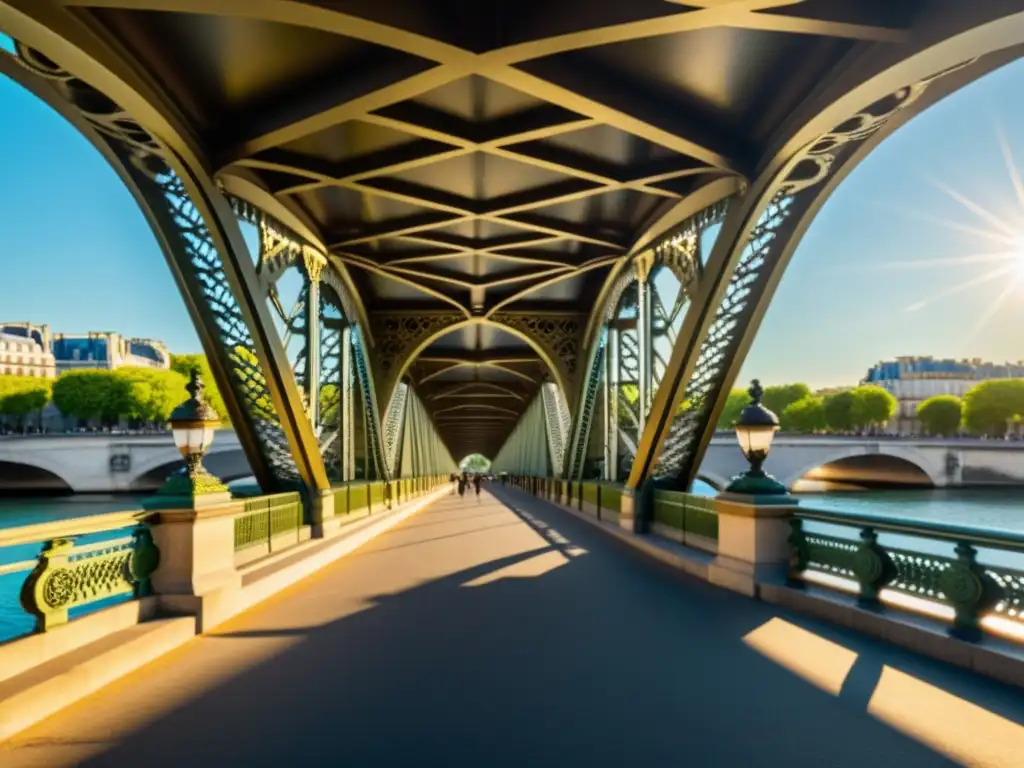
475, 462
184, 364
738, 400
806, 415
990, 407
777, 398
153, 394
100, 395
873, 406
839, 410
940, 415
21, 396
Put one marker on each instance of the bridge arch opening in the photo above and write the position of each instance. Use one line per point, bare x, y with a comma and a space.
18, 479
875, 470
476, 379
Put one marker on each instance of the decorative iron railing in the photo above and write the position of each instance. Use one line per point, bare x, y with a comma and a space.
73, 566
974, 591
265, 518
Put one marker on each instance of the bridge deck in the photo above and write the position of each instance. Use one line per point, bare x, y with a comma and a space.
506, 632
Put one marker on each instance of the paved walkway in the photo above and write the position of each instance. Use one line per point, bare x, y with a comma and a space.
480, 633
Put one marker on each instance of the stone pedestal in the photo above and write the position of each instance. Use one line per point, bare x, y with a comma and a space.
196, 539
628, 510
752, 541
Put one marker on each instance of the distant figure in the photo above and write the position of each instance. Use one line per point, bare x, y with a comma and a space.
454, 480
462, 485
477, 480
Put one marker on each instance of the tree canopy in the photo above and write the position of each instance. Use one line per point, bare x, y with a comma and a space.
991, 406
738, 400
806, 415
940, 415
184, 364
777, 398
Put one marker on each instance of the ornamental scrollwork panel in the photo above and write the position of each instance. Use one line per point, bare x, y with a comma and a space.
557, 333
68, 576
397, 335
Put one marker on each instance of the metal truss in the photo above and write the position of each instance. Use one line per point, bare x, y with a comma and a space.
745, 268
193, 225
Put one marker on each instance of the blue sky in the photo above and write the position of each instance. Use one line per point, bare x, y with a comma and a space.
80, 256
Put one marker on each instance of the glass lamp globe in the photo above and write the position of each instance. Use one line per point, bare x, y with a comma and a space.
193, 424
755, 429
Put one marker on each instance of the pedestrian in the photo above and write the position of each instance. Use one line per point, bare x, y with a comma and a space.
462, 485
453, 479
477, 481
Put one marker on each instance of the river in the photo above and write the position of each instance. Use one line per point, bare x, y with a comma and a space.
988, 508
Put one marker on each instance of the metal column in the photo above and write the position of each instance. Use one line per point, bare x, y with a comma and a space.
313, 269
348, 461
644, 339
611, 405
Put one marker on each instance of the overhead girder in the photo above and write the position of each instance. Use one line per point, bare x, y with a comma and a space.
573, 77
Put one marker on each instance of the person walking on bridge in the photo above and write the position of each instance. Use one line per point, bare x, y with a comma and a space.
477, 481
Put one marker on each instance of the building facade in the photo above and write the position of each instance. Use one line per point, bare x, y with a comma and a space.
912, 380
25, 350
107, 350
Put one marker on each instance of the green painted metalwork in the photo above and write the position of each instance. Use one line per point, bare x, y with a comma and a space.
611, 497
971, 588
265, 517
67, 576
525, 452
423, 451
686, 512
590, 493
378, 496
358, 497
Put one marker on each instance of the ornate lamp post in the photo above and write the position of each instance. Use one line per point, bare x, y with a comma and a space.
193, 424
755, 430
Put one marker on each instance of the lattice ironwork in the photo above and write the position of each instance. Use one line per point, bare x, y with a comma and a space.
715, 352
398, 335
203, 267
556, 415
584, 420
760, 251
392, 431
374, 443
557, 333
332, 388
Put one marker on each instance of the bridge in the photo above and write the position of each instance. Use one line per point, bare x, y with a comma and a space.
106, 463
933, 462
546, 232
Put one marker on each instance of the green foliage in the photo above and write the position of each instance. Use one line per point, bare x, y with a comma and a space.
21, 396
841, 411
184, 364
475, 462
874, 406
152, 394
330, 404
990, 407
940, 415
98, 395
806, 415
738, 400
776, 399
